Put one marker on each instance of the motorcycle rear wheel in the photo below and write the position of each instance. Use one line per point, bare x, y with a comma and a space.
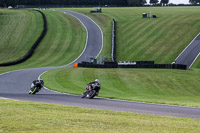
92, 94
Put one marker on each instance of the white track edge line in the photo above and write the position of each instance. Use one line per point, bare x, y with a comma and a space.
86, 38
96, 25
187, 47
194, 60
101, 33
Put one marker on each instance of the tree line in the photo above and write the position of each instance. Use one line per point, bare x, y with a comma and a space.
4, 3
195, 2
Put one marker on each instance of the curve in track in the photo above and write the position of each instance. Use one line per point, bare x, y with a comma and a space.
15, 84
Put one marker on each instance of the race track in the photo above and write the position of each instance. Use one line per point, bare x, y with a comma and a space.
190, 53
16, 84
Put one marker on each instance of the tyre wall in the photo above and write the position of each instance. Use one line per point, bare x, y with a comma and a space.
139, 64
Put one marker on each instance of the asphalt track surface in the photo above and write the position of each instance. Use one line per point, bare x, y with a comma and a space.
16, 84
190, 53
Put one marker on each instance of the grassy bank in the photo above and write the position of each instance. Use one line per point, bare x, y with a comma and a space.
17, 116
19, 29
174, 87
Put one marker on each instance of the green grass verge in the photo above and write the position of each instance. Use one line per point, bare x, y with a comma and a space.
196, 64
176, 87
19, 29
17, 116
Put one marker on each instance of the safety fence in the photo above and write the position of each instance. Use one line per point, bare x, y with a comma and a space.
113, 55
137, 64
35, 45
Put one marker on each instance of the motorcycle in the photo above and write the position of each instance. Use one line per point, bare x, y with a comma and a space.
35, 88
90, 92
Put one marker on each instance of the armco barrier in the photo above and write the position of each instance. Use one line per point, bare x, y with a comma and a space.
31, 51
116, 65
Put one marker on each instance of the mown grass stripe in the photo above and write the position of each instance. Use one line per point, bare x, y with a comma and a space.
44, 52
154, 49
176, 30
140, 36
143, 43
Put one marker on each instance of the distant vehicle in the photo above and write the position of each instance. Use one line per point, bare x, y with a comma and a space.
10, 7
97, 10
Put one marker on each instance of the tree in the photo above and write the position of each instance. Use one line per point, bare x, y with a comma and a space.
73, 2
164, 2
2, 3
136, 2
154, 2
194, 2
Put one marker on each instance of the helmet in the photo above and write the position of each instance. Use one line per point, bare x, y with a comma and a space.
41, 81
97, 80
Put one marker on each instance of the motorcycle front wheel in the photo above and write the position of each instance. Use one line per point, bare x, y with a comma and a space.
35, 90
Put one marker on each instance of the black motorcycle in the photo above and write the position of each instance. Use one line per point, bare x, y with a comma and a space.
90, 93
35, 88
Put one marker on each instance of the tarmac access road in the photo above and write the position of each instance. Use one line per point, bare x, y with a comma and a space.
190, 53
16, 84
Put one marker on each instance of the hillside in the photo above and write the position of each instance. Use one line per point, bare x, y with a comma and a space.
161, 39
18, 32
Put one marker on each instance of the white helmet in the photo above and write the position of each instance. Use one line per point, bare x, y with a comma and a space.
97, 80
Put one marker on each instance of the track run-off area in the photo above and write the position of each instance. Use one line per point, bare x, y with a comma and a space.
16, 84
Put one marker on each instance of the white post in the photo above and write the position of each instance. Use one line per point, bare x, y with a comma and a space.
150, 14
